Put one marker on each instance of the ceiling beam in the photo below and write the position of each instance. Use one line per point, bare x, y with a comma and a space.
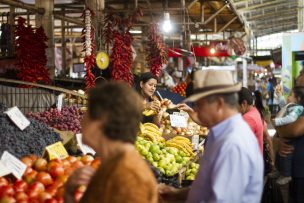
20, 4
263, 5
215, 14
230, 22
258, 17
69, 19
274, 20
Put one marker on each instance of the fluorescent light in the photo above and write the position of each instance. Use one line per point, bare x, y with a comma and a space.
167, 26
135, 31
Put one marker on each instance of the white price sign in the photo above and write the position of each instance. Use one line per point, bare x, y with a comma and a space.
59, 102
195, 141
14, 165
178, 121
84, 148
182, 113
18, 118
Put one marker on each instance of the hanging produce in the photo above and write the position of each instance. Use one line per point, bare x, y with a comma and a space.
88, 38
31, 53
156, 53
117, 32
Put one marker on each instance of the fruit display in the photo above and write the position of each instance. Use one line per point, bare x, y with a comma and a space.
192, 171
43, 181
72, 99
20, 143
169, 160
68, 119
180, 89
191, 129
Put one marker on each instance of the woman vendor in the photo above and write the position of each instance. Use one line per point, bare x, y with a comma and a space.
146, 88
110, 126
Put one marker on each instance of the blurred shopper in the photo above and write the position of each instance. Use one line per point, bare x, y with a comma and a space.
251, 115
267, 142
278, 98
231, 154
110, 127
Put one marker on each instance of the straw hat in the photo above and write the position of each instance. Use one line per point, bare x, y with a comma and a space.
209, 82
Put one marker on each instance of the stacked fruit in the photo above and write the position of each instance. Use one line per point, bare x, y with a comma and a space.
168, 160
180, 89
181, 143
43, 181
192, 171
151, 132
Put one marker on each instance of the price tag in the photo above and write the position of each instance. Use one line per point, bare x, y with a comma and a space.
178, 121
195, 142
59, 102
56, 151
4, 170
182, 113
18, 118
14, 165
84, 148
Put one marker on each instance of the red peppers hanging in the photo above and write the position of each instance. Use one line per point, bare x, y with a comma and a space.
88, 37
156, 53
31, 53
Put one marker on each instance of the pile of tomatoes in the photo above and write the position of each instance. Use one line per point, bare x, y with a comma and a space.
43, 181
180, 89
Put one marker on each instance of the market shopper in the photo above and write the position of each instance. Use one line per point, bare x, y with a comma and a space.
146, 88
231, 169
251, 115
110, 126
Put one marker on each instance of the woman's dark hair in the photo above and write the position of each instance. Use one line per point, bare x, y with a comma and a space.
245, 95
119, 107
299, 94
145, 77
259, 102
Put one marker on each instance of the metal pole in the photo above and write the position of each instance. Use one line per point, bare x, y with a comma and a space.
20, 4
63, 46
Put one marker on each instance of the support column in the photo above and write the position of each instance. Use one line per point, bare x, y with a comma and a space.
11, 21
47, 21
63, 46
301, 15
245, 81
97, 6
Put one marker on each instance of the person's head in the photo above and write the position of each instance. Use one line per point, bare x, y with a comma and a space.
214, 95
298, 95
245, 100
147, 84
258, 102
114, 113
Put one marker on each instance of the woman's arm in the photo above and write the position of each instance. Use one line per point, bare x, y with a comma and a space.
295, 129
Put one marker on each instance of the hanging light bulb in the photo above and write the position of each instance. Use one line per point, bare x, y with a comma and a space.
167, 26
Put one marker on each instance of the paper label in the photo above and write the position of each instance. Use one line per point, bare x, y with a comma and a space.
59, 102
84, 148
178, 121
195, 141
18, 118
182, 113
4, 170
56, 151
14, 165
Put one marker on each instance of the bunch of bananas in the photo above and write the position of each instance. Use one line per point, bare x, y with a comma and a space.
151, 132
181, 143
149, 112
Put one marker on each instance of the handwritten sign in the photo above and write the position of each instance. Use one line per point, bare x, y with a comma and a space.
14, 165
195, 142
56, 151
178, 121
18, 118
182, 113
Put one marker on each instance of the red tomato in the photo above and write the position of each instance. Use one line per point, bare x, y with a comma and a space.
51, 201
56, 170
45, 178
52, 189
3, 182
77, 164
30, 177
40, 164
87, 159
21, 196
66, 164
61, 179
20, 186
95, 164
33, 157
7, 199
60, 192
71, 159
6, 190
27, 161
37, 186
44, 196
60, 199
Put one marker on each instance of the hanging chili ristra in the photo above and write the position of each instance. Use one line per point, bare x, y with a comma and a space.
156, 53
88, 48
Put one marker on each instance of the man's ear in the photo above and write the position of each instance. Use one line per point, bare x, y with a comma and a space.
141, 84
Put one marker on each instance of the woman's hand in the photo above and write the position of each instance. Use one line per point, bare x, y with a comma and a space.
284, 149
80, 177
154, 105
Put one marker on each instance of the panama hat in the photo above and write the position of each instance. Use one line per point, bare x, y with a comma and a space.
210, 82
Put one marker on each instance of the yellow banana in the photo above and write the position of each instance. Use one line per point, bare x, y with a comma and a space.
149, 112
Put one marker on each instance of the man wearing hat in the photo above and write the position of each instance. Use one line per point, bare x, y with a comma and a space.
231, 169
